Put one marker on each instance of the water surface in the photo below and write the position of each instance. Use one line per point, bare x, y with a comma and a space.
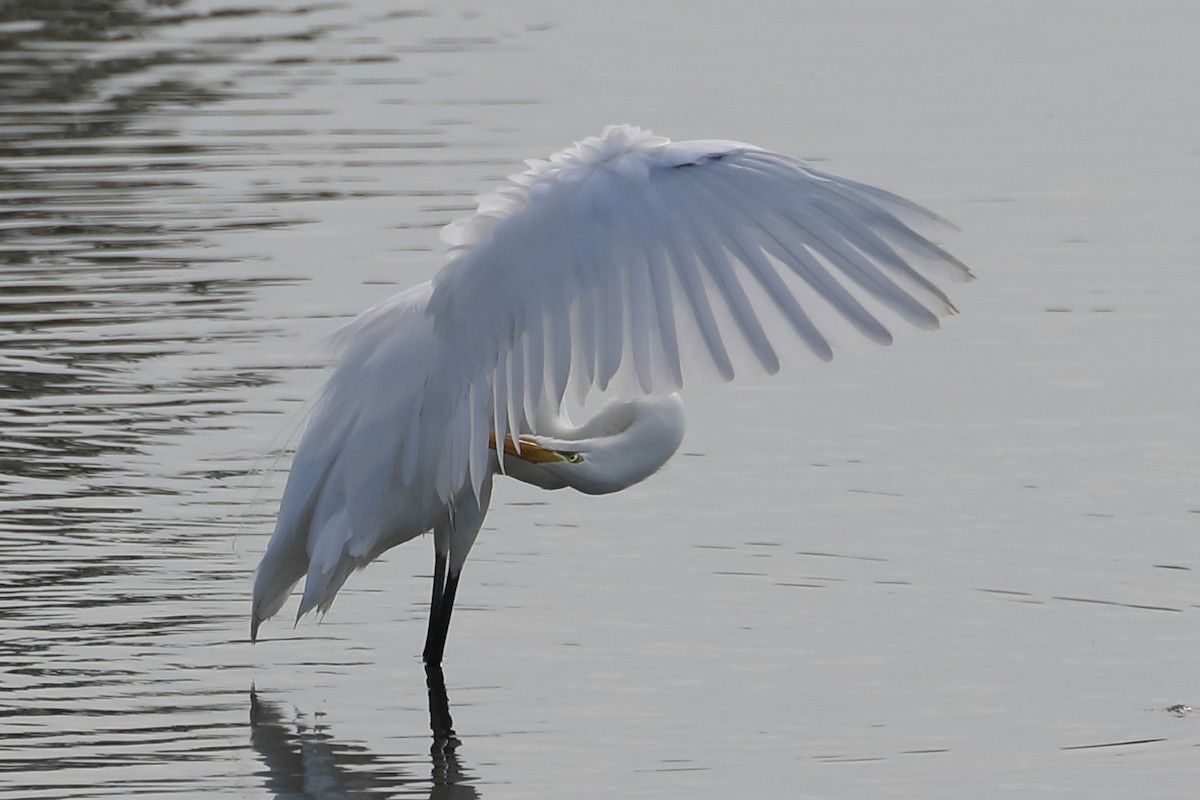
963, 566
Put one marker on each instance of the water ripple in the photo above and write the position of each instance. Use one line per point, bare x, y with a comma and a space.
146, 152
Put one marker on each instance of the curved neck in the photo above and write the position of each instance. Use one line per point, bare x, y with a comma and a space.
623, 444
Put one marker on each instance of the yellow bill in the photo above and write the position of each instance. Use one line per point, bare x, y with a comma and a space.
531, 451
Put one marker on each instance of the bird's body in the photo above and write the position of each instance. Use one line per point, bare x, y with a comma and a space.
628, 264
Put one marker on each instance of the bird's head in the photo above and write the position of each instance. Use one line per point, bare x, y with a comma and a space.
623, 444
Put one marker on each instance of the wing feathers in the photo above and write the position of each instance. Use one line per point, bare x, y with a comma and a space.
642, 320
714, 256
558, 327
787, 247
751, 257
584, 341
664, 306
646, 264
683, 258
611, 320
779, 236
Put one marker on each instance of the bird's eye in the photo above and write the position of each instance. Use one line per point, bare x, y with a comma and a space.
574, 458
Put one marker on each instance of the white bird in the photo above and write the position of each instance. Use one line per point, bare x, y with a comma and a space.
627, 264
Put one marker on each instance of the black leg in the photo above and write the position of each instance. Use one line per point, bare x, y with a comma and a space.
435, 605
439, 617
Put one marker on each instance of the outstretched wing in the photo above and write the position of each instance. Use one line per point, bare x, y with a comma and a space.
633, 263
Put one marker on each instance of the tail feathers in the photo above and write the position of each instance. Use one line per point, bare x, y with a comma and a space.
321, 588
277, 575
329, 562
321, 556
287, 558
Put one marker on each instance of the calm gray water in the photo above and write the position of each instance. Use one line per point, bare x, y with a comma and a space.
965, 566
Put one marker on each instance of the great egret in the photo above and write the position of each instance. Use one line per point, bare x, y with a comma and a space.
626, 264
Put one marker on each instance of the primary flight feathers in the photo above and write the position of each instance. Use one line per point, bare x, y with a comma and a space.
633, 261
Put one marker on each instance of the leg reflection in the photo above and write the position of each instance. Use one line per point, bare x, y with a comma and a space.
303, 760
440, 723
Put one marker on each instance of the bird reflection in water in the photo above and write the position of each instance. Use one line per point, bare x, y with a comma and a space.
440, 723
303, 759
